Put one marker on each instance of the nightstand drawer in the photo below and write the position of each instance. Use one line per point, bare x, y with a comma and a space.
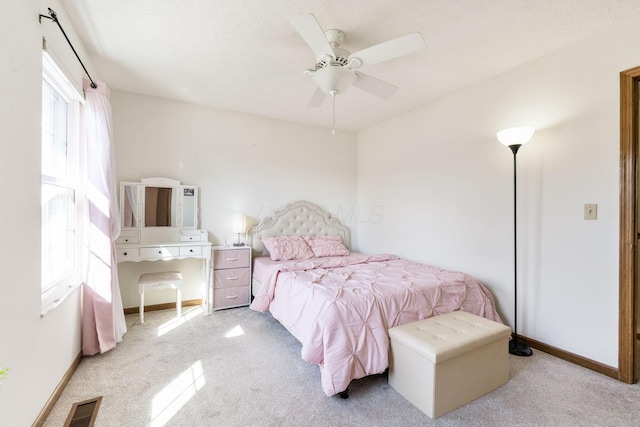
230, 278
231, 258
230, 297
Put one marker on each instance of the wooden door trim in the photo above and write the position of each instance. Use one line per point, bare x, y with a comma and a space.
628, 228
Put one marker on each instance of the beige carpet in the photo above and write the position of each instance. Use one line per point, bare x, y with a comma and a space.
238, 367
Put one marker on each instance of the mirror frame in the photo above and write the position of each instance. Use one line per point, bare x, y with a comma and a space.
178, 207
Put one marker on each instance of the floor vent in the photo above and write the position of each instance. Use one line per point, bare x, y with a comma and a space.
83, 414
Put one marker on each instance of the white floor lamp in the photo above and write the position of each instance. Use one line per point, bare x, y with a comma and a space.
514, 138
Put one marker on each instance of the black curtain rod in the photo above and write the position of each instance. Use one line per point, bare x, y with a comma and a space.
52, 16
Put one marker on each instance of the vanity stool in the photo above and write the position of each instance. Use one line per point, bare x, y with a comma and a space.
162, 280
443, 362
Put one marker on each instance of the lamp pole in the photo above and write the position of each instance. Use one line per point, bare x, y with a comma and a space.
514, 138
516, 348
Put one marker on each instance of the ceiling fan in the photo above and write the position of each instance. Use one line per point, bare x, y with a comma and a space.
334, 71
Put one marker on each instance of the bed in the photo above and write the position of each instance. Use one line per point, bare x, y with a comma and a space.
339, 304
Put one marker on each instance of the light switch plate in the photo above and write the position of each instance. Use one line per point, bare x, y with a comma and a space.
591, 211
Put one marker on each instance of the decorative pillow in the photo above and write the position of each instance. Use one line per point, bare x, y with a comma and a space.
284, 248
327, 246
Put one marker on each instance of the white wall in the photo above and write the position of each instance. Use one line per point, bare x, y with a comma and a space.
242, 163
446, 193
444, 196
38, 351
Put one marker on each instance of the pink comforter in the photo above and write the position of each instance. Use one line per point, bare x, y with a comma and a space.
340, 308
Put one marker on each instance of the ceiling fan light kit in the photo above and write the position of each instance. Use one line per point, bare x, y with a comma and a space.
334, 68
334, 79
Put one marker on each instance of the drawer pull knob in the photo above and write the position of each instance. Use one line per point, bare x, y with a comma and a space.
126, 240
232, 259
232, 296
191, 250
159, 252
233, 278
125, 254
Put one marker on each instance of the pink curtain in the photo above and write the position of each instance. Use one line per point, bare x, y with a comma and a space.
103, 323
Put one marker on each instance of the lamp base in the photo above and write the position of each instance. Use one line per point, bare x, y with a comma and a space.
518, 348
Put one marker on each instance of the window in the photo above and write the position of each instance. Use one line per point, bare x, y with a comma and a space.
60, 190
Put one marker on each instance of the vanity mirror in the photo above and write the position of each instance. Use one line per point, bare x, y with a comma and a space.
158, 202
189, 207
159, 206
159, 218
129, 196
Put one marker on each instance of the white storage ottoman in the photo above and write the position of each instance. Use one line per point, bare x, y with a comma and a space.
444, 362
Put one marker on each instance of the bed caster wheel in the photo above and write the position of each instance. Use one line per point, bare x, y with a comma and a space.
344, 394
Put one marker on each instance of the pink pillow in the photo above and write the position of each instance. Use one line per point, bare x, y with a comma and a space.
286, 248
327, 246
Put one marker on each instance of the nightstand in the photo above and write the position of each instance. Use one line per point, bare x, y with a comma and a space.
231, 276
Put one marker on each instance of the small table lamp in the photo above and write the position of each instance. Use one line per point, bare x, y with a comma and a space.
239, 226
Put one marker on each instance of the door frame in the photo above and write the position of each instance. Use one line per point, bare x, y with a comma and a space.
629, 122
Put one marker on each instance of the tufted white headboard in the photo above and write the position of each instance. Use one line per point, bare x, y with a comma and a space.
299, 218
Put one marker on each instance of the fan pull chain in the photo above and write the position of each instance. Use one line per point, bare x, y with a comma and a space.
333, 122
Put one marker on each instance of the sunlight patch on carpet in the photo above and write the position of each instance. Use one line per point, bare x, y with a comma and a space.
236, 331
176, 394
177, 321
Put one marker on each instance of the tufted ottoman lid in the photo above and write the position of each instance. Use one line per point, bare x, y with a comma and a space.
442, 337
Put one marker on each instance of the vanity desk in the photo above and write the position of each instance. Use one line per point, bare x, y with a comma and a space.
159, 220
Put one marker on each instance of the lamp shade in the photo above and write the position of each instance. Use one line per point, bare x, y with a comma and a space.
516, 136
238, 223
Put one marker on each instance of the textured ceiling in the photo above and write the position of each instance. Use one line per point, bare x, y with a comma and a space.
244, 55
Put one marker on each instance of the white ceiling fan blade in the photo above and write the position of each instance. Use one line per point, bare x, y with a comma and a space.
374, 86
390, 49
317, 98
310, 30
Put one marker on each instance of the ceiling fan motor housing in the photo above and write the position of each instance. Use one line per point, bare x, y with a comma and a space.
341, 58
